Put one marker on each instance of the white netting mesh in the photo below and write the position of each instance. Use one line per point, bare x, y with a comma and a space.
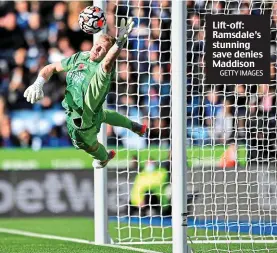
142, 92
231, 134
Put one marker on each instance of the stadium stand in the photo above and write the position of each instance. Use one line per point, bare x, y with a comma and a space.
28, 42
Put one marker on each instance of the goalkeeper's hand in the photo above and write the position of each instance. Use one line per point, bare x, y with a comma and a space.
124, 30
34, 92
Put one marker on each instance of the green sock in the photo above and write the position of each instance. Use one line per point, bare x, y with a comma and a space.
115, 119
100, 154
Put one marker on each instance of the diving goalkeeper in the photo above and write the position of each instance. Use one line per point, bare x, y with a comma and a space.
88, 81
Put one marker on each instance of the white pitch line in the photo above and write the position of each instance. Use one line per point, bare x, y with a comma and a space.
232, 241
68, 239
120, 246
206, 242
146, 242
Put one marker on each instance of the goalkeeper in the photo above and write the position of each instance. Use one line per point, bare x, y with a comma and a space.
88, 81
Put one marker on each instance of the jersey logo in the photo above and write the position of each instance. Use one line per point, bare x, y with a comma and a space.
81, 66
77, 77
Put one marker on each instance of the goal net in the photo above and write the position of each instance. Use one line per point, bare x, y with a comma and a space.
231, 136
142, 92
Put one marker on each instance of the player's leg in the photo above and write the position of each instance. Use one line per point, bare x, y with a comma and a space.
100, 155
97, 151
116, 119
229, 157
87, 141
94, 98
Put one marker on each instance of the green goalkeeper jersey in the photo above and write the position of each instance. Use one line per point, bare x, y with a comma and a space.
86, 90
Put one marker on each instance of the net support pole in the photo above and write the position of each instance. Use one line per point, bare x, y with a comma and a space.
100, 177
179, 170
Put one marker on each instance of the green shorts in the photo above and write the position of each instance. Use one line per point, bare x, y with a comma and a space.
87, 137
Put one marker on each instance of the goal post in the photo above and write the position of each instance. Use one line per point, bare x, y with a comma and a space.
101, 234
178, 129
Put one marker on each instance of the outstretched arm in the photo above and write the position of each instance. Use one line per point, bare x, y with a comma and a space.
110, 58
47, 71
34, 92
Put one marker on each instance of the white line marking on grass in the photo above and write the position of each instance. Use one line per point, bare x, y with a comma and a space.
146, 242
206, 242
68, 239
233, 241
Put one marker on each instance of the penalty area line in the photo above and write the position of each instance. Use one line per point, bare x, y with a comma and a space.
68, 239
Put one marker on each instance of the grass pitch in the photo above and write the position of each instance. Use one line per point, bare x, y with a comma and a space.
83, 228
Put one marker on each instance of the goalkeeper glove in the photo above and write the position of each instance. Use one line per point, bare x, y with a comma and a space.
124, 31
34, 92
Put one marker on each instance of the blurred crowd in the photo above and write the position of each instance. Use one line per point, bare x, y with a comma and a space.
36, 33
